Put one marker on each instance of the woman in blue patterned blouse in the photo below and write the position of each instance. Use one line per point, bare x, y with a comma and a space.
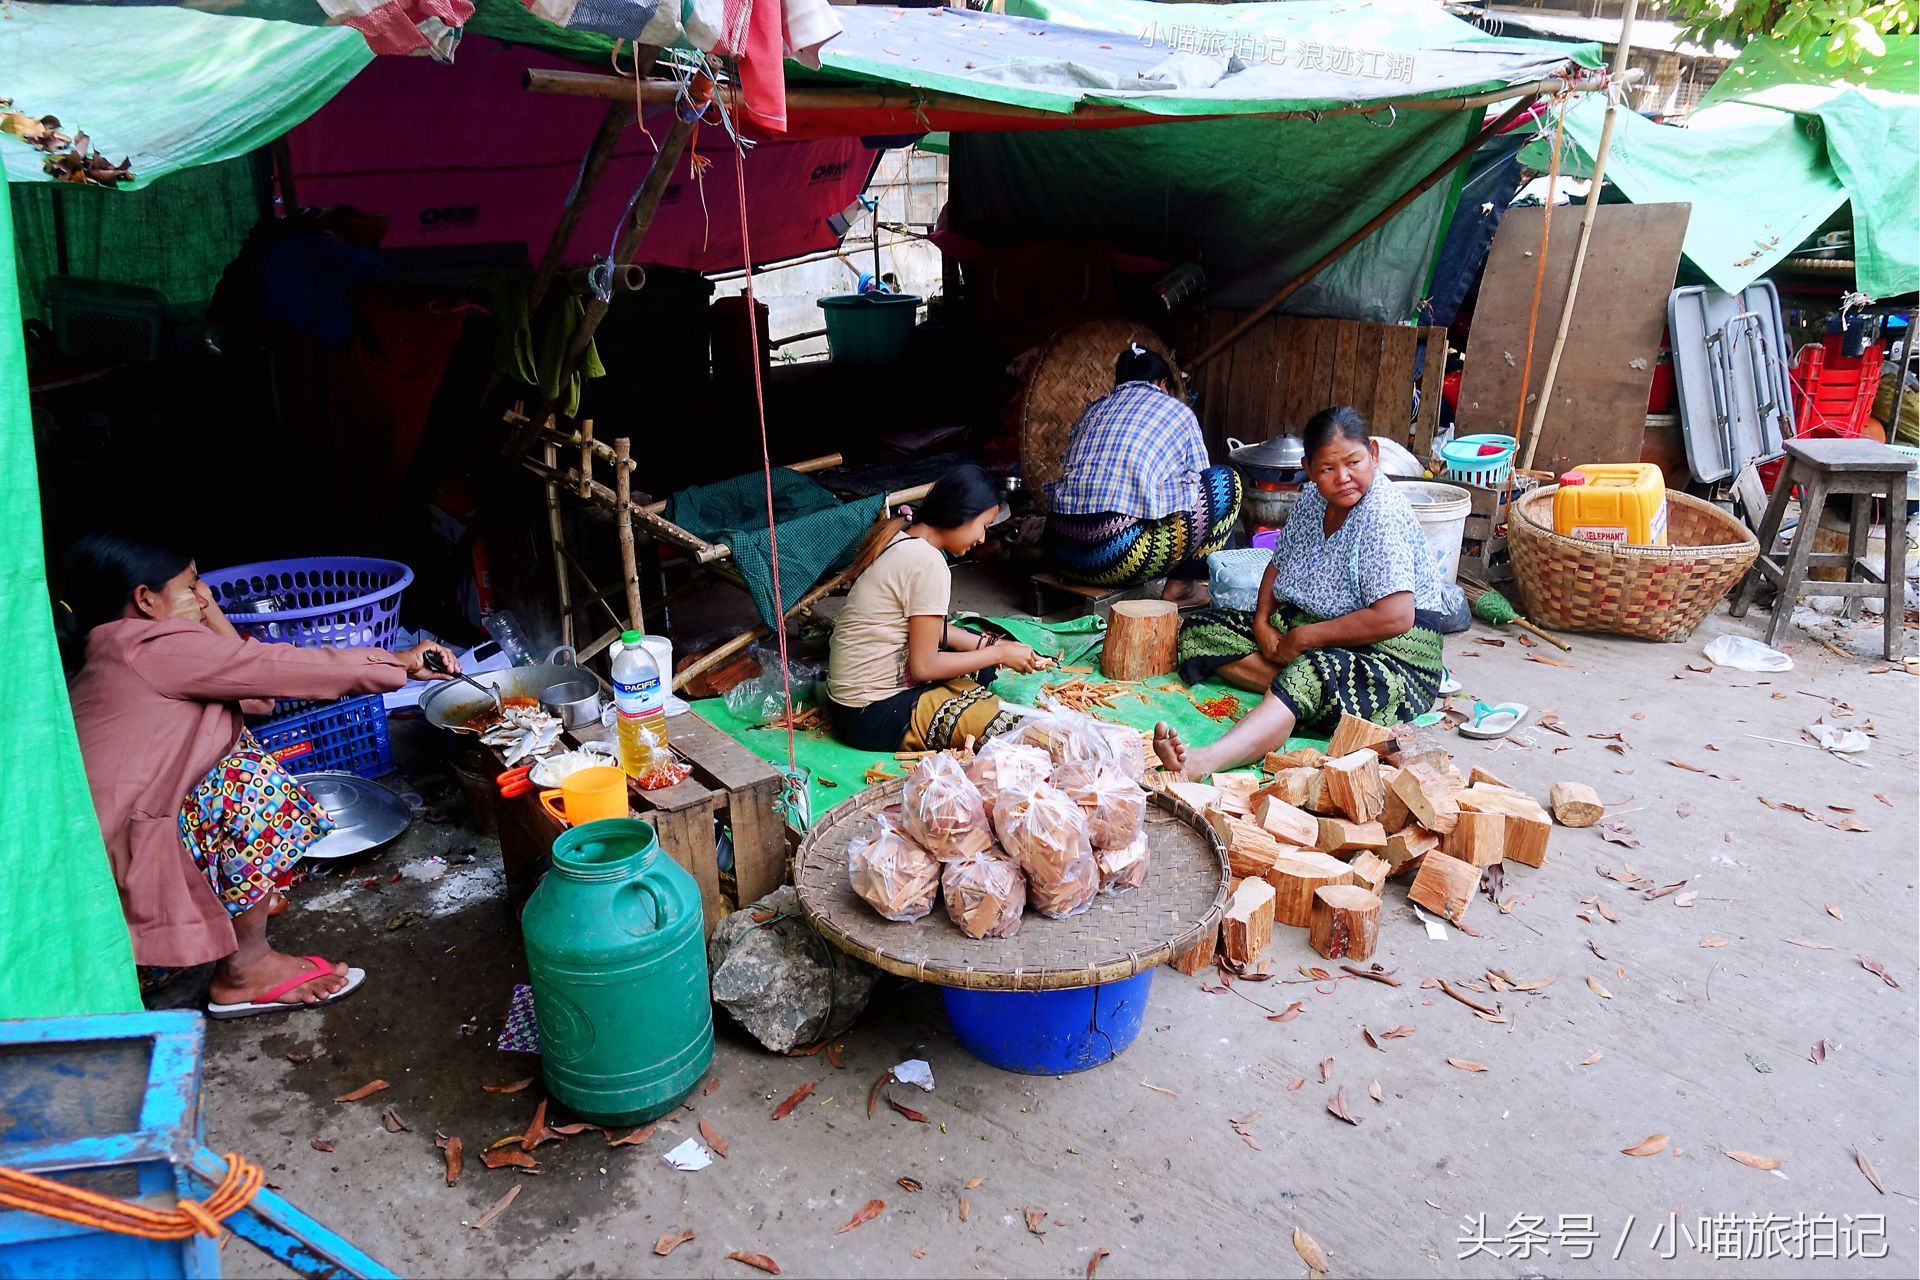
1347, 615
1136, 499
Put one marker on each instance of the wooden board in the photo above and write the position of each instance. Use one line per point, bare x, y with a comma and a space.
1599, 397
1288, 368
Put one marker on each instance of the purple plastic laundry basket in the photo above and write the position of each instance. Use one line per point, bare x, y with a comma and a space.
327, 602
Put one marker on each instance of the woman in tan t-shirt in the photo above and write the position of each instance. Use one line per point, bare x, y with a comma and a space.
899, 678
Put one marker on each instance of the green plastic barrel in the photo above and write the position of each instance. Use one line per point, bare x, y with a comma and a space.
869, 328
619, 974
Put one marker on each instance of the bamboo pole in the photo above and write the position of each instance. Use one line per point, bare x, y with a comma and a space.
1619, 83
556, 532
623, 517
586, 456
802, 99
619, 115
1373, 224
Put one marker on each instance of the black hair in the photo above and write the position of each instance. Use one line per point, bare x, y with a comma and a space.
1136, 364
957, 497
100, 572
1338, 422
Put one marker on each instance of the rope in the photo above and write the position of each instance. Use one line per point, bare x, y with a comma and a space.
187, 1218
1533, 311
791, 783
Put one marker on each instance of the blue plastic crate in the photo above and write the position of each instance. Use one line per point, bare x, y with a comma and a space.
348, 736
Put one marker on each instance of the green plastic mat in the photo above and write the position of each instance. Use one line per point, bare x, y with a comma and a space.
63, 940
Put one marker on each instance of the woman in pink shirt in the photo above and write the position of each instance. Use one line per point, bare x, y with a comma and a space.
198, 819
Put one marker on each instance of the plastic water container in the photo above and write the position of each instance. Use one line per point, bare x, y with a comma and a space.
869, 328
1442, 511
1233, 577
618, 966
1619, 502
639, 706
1048, 1033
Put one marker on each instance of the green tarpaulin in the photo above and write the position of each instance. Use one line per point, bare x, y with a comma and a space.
168, 88
1775, 149
66, 942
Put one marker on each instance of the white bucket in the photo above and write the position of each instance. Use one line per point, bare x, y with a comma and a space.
1442, 510
660, 649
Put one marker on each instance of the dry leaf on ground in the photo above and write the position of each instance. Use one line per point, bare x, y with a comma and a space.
1373, 1091
714, 1140
633, 1139
794, 1099
454, 1160
837, 1055
1297, 1085
320, 1144
390, 1121
1599, 990
963, 1208
908, 1112
1093, 1263
1403, 1031
1593, 1057
1753, 1161
910, 1184
759, 1261
1287, 1014
515, 1087
1872, 966
1713, 942
366, 1090
868, 1212
1371, 1042
1036, 1218
1835, 912
1809, 945
1326, 1070
1310, 1251
508, 1157
1651, 1145
1818, 1054
667, 1244
485, 1220
1338, 1106
1466, 1065
1866, 1167
972, 1183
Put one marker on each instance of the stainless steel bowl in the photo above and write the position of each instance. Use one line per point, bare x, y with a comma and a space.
576, 702
365, 814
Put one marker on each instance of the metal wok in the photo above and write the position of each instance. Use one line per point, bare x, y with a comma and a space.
451, 704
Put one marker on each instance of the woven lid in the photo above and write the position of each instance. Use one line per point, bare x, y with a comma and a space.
1075, 368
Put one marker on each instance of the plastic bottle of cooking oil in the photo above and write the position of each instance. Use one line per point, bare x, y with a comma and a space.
640, 707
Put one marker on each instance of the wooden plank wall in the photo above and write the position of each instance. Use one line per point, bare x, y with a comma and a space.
1288, 368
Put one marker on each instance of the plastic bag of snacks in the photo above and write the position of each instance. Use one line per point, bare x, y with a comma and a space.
1115, 807
1004, 763
985, 895
1047, 835
896, 876
1124, 869
943, 809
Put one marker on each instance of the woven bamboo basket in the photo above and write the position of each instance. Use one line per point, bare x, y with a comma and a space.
1655, 593
1075, 368
1117, 937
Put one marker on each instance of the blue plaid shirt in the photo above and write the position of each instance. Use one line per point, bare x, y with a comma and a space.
1136, 451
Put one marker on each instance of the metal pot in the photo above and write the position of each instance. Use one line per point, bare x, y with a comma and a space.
452, 703
576, 702
1274, 461
1266, 508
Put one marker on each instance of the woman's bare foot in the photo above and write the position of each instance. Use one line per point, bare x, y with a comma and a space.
1172, 752
1184, 591
238, 982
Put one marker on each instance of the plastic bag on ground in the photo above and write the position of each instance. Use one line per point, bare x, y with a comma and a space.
1005, 763
1124, 869
943, 810
985, 895
1047, 835
897, 877
1744, 653
1115, 807
1069, 735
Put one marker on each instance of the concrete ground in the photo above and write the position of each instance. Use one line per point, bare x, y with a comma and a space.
1205, 1146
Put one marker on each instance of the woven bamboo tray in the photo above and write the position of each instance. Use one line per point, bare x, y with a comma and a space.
1075, 368
1654, 593
1115, 938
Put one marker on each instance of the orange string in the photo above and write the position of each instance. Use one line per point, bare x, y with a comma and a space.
1540, 269
84, 1208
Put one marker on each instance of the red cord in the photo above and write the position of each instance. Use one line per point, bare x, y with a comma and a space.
766, 455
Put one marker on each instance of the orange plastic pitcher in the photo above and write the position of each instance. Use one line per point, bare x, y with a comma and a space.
588, 796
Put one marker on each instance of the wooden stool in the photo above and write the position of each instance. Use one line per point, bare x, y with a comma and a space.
1821, 468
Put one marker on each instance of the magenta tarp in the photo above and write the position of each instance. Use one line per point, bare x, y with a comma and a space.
463, 155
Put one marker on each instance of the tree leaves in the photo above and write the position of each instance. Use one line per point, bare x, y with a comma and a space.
714, 1140
1093, 1263
794, 1099
1289, 1013
452, 1147
1465, 1064
1599, 990
515, 1087
1593, 1057
1835, 912
366, 1090
1326, 1070
1337, 1104
910, 1184
668, 1243
1753, 1161
1872, 966
320, 1144
868, 1212
908, 1112
1036, 1218
1373, 1091
757, 1260
1712, 941
1651, 1145
1866, 1167
1310, 1251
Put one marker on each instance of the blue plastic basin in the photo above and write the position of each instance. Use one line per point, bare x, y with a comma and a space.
1048, 1033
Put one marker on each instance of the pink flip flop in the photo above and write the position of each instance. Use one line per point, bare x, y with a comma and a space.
270, 1001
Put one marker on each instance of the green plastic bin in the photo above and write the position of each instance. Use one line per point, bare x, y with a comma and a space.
869, 328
